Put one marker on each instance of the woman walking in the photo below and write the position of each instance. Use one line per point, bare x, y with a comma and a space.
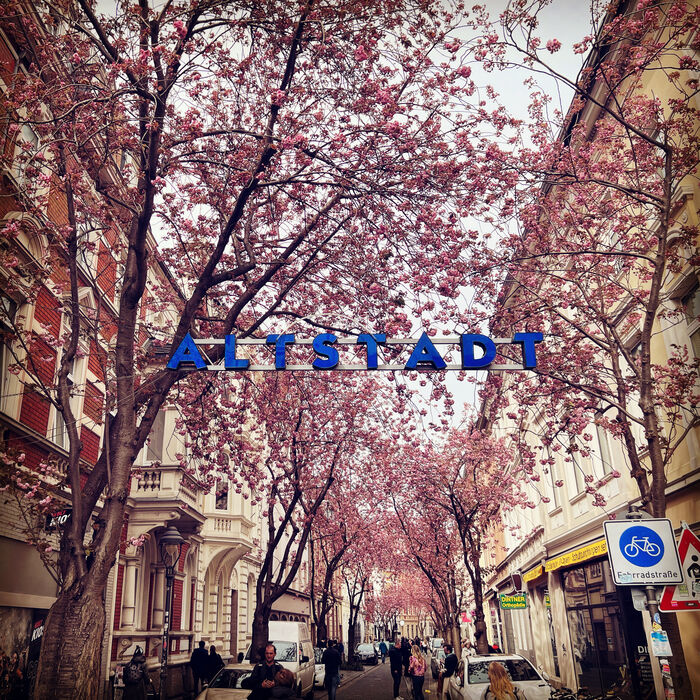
416, 669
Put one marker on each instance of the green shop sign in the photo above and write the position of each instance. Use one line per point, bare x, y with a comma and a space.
513, 602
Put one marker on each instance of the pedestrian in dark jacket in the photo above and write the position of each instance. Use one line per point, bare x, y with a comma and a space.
331, 660
405, 654
199, 661
214, 663
262, 679
135, 676
451, 661
396, 663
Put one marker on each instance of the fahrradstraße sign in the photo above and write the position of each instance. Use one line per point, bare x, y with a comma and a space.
643, 552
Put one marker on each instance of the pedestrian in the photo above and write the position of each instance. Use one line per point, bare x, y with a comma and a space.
341, 649
135, 676
214, 663
450, 666
262, 679
396, 664
284, 685
198, 663
416, 667
405, 654
331, 660
383, 650
468, 649
500, 686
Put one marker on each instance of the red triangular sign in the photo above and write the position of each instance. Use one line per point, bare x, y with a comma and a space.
686, 595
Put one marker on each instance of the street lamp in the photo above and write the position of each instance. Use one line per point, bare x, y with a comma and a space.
170, 549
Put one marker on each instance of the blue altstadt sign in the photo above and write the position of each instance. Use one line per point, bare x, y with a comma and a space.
476, 352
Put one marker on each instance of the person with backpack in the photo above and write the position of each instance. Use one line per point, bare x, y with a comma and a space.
135, 677
416, 668
500, 686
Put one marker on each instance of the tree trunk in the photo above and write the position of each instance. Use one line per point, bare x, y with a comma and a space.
261, 634
70, 665
351, 641
321, 631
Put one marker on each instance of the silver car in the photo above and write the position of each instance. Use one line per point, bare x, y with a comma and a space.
471, 678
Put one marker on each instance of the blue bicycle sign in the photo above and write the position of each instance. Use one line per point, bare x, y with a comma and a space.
641, 546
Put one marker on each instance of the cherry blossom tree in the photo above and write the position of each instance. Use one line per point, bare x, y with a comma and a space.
604, 255
340, 526
429, 542
286, 166
462, 485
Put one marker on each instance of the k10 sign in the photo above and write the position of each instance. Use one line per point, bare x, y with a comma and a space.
476, 352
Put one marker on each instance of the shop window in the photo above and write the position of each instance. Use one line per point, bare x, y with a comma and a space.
605, 632
552, 633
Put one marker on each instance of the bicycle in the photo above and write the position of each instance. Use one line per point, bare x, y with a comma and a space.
642, 544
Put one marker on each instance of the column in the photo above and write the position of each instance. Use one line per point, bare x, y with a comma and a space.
158, 598
129, 592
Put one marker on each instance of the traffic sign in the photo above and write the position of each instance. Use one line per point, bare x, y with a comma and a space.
685, 596
642, 552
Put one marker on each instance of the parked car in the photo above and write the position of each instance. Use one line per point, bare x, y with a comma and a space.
437, 662
226, 684
436, 643
471, 679
367, 654
295, 651
320, 672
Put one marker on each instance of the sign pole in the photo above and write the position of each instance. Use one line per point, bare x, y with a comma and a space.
653, 607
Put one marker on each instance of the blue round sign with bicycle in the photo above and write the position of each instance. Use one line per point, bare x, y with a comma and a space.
641, 546
643, 552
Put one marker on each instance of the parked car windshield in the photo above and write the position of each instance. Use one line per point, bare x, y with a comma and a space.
518, 670
366, 648
229, 678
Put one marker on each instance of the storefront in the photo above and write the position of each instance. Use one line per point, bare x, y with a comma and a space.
607, 639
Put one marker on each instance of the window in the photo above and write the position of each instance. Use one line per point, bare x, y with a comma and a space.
25, 149
221, 495
154, 452
575, 473
691, 308
551, 480
8, 309
602, 457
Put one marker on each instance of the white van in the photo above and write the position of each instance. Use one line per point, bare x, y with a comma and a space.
295, 651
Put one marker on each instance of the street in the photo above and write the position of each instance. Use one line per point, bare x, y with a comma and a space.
375, 683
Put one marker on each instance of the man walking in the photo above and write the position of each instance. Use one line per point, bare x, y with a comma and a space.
383, 650
331, 660
199, 662
396, 663
451, 662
